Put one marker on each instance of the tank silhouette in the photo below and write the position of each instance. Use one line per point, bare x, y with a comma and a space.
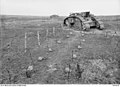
83, 21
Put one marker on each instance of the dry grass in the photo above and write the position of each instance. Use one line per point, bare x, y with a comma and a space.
97, 62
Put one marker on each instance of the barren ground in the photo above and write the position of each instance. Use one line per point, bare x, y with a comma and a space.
96, 62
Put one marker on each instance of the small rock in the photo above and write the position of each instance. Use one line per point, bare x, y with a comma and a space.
71, 33
67, 69
74, 56
40, 58
59, 42
79, 47
82, 34
30, 68
67, 36
111, 74
82, 31
83, 39
50, 50
50, 66
51, 70
115, 69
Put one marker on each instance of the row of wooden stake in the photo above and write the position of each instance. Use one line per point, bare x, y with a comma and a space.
38, 37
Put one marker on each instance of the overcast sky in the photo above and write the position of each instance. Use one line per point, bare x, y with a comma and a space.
59, 7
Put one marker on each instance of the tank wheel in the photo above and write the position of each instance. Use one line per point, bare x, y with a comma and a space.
69, 22
73, 22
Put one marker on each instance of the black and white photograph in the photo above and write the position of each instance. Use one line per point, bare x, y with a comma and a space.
60, 42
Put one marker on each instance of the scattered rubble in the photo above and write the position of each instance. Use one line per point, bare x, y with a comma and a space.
71, 33
30, 68
67, 36
50, 49
74, 56
59, 42
83, 40
82, 34
52, 68
41, 58
67, 69
79, 47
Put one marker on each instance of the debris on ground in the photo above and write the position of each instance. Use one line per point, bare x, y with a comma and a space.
82, 34
50, 49
79, 47
83, 40
67, 69
71, 33
59, 42
67, 36
30, 67
52, 68
41, 58
74, 56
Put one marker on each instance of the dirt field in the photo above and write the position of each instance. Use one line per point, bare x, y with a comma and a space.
39, 50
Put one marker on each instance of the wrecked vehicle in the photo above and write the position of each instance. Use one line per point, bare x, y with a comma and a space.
83, 21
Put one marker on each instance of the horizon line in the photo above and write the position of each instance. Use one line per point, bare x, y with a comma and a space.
53, 14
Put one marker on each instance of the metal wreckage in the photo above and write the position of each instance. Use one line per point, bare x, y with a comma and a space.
83, 21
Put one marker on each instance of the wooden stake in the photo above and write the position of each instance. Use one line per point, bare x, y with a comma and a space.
69, 73
25, 41
47, 36
38, 34
46, 32
72, 53
53, 30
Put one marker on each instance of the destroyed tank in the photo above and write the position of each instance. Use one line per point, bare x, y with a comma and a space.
83, 21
